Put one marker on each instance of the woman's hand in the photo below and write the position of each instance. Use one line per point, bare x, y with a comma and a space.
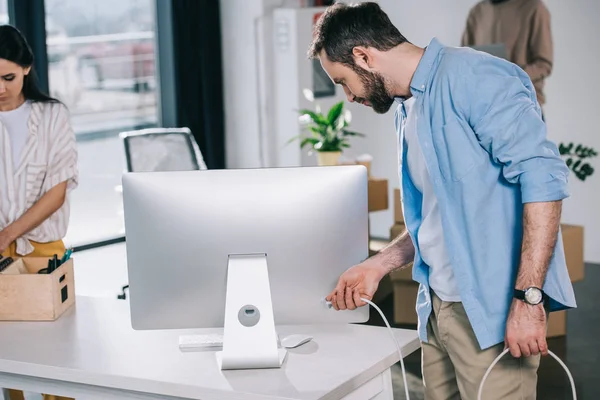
38, 213
5, 239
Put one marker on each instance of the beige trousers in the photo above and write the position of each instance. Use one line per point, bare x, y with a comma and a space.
453, 364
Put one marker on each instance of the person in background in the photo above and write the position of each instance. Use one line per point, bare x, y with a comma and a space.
523, 26
482, 190
38, 160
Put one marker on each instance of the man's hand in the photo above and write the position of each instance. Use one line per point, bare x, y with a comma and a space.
526, 330
362, 280
359, 281
5, 240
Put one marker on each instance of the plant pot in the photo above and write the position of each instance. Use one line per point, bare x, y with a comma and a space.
329, 157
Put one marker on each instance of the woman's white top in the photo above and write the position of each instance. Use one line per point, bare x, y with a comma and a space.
47, 157
15, 121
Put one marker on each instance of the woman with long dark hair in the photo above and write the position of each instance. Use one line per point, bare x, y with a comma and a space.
38, 160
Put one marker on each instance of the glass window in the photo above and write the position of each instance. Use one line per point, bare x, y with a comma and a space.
101, 64
3, 12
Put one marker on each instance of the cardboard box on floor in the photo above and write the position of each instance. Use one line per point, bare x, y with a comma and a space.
396, 230
572, 236
405, 298
378, 194
405, 289
398, 215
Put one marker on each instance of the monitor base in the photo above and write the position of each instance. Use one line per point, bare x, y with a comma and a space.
257, 365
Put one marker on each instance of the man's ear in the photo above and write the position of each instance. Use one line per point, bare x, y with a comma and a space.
363, 57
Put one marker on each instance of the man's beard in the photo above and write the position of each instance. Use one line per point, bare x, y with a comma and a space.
376, 92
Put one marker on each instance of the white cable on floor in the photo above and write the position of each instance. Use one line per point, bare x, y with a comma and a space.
506, 351
485, 376
395, 341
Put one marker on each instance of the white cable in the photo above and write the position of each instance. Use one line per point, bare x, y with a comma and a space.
485, 376
506, 351
395, 341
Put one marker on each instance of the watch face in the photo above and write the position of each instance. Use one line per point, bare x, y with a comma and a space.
533, 296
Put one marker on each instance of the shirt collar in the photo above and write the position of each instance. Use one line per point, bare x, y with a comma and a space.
421, 77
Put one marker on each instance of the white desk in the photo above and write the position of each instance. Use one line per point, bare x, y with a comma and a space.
92, 353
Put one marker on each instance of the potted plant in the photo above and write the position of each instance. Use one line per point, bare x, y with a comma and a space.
327, 134
576, 157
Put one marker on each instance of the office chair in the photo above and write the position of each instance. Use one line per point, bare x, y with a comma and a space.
160, 149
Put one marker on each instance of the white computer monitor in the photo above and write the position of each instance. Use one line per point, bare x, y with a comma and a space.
243, 249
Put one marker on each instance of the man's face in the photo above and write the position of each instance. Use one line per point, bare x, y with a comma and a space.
361, 86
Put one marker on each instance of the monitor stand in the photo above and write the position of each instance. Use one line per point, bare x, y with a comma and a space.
249, 336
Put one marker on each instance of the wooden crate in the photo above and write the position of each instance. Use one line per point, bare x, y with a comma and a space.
26, 295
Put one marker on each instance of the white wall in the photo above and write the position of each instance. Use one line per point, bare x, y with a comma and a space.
246, 45
240, 85
573, 105
575, 32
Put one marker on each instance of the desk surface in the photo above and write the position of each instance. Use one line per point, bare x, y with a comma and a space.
94, 344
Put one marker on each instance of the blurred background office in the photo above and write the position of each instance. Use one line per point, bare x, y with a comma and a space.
233, 74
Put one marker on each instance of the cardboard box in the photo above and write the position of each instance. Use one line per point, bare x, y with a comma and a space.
405, 296
405, 301
404, 274
557, 324
396, 230
572, 236
378, 194
384, 289
26, 295
405, 289
398, 216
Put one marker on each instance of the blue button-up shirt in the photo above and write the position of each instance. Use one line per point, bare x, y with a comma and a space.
484, 142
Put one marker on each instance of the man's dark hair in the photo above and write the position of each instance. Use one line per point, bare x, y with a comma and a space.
343, 27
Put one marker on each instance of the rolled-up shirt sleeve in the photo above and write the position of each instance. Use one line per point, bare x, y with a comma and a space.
62, 163
504, 115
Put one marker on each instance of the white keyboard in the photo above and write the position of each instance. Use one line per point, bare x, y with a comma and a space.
205, 342
210, 341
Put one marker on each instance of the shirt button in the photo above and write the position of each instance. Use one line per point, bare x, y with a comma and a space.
422, 86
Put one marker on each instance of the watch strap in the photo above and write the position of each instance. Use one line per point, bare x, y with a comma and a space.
519, 294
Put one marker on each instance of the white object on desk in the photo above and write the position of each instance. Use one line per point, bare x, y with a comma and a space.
205, 342
201, 342
95, 354
293, 341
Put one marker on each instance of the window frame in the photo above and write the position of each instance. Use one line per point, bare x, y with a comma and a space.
29, 16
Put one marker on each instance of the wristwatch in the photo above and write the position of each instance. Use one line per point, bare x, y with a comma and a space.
532, 295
